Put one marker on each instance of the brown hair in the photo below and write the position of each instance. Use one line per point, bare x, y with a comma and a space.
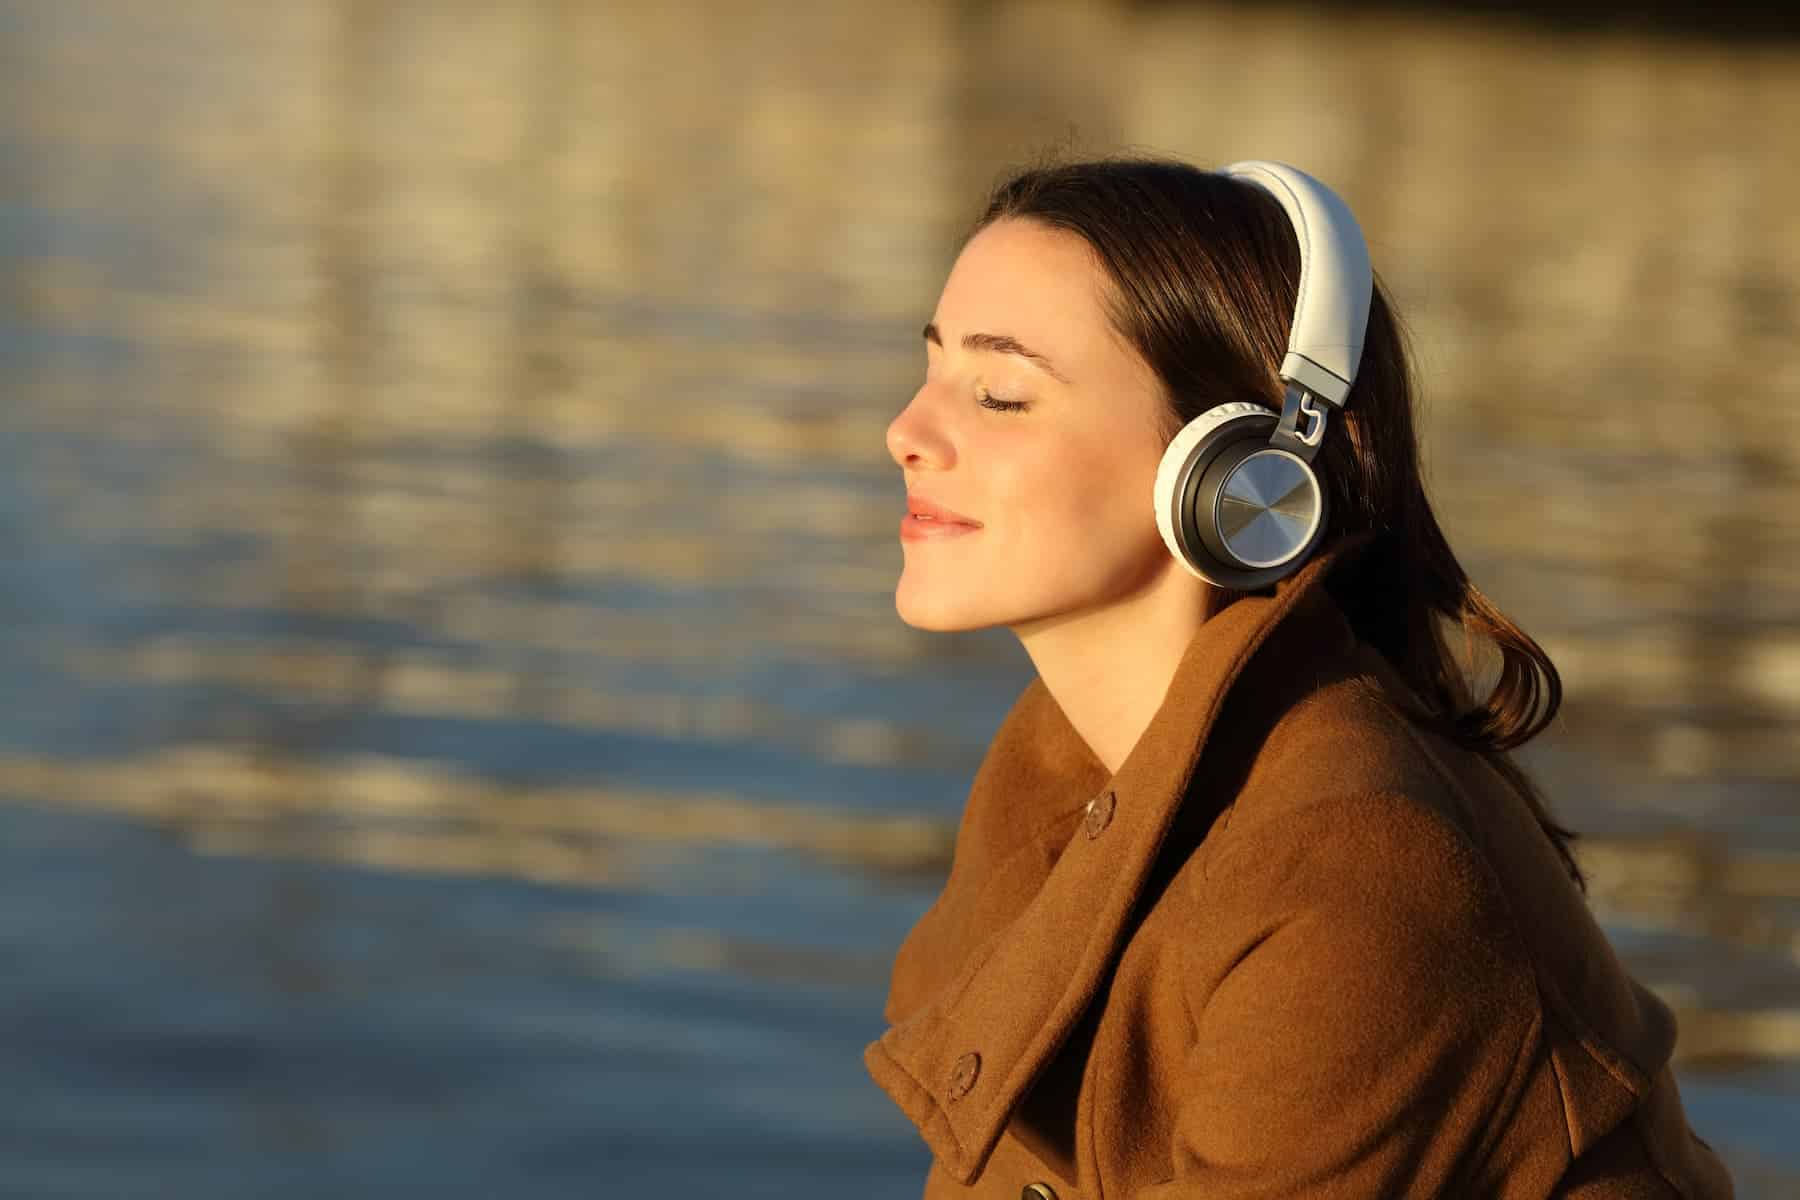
1204, 271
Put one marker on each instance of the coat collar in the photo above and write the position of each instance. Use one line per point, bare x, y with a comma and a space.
959, 1063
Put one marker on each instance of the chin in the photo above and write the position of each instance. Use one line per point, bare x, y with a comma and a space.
934, 620
937, 611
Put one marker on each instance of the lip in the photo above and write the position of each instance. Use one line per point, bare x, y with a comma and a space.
914, 530
943, 522
917, 505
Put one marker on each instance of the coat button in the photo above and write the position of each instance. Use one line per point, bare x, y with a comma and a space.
962, 1078
1099, 812
1037, 1191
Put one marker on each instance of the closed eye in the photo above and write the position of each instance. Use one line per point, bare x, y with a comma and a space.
999, 405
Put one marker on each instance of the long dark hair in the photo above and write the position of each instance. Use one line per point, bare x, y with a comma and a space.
1204, 271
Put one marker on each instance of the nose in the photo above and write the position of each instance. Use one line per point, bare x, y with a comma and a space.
915, 436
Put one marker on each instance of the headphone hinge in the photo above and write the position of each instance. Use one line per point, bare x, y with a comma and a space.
1299, 404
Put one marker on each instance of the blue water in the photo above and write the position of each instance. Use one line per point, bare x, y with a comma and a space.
195, 1025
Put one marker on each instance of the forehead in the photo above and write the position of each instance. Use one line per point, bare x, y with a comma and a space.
1040, 285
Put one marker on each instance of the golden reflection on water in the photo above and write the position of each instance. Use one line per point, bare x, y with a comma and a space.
412, 683
407, 815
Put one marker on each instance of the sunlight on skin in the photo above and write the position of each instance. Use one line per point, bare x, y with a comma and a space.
1068, 556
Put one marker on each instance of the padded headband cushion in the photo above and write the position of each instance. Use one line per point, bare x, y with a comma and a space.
1336, 283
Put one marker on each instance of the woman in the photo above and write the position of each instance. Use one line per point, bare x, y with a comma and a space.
1248, 899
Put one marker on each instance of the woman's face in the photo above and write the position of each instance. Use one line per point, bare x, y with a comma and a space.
1063, 487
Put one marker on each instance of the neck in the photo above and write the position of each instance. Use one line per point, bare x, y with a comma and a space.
1109, 668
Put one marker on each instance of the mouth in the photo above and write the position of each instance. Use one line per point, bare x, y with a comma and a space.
914, 527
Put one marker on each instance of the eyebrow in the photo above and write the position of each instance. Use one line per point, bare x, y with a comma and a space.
998, 343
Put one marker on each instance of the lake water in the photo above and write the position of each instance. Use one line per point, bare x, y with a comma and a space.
459, 739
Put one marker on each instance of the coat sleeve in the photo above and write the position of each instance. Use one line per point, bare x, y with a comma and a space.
1364, 1013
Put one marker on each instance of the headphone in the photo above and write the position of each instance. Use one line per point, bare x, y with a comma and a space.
1237, 500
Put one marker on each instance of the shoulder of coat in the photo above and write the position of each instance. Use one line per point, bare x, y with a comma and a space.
1379, 862
1344, 737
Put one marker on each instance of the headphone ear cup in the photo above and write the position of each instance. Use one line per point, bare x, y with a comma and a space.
1198, 464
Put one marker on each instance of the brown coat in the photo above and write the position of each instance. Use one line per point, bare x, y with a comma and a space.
1294, 948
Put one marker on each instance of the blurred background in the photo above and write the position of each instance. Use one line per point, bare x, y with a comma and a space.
458, 738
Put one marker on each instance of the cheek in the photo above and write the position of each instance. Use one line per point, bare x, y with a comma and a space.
1098, 504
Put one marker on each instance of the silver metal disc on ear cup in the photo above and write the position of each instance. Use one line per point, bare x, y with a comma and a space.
1268, 508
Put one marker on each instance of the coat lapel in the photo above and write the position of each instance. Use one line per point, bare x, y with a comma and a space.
959, 1062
